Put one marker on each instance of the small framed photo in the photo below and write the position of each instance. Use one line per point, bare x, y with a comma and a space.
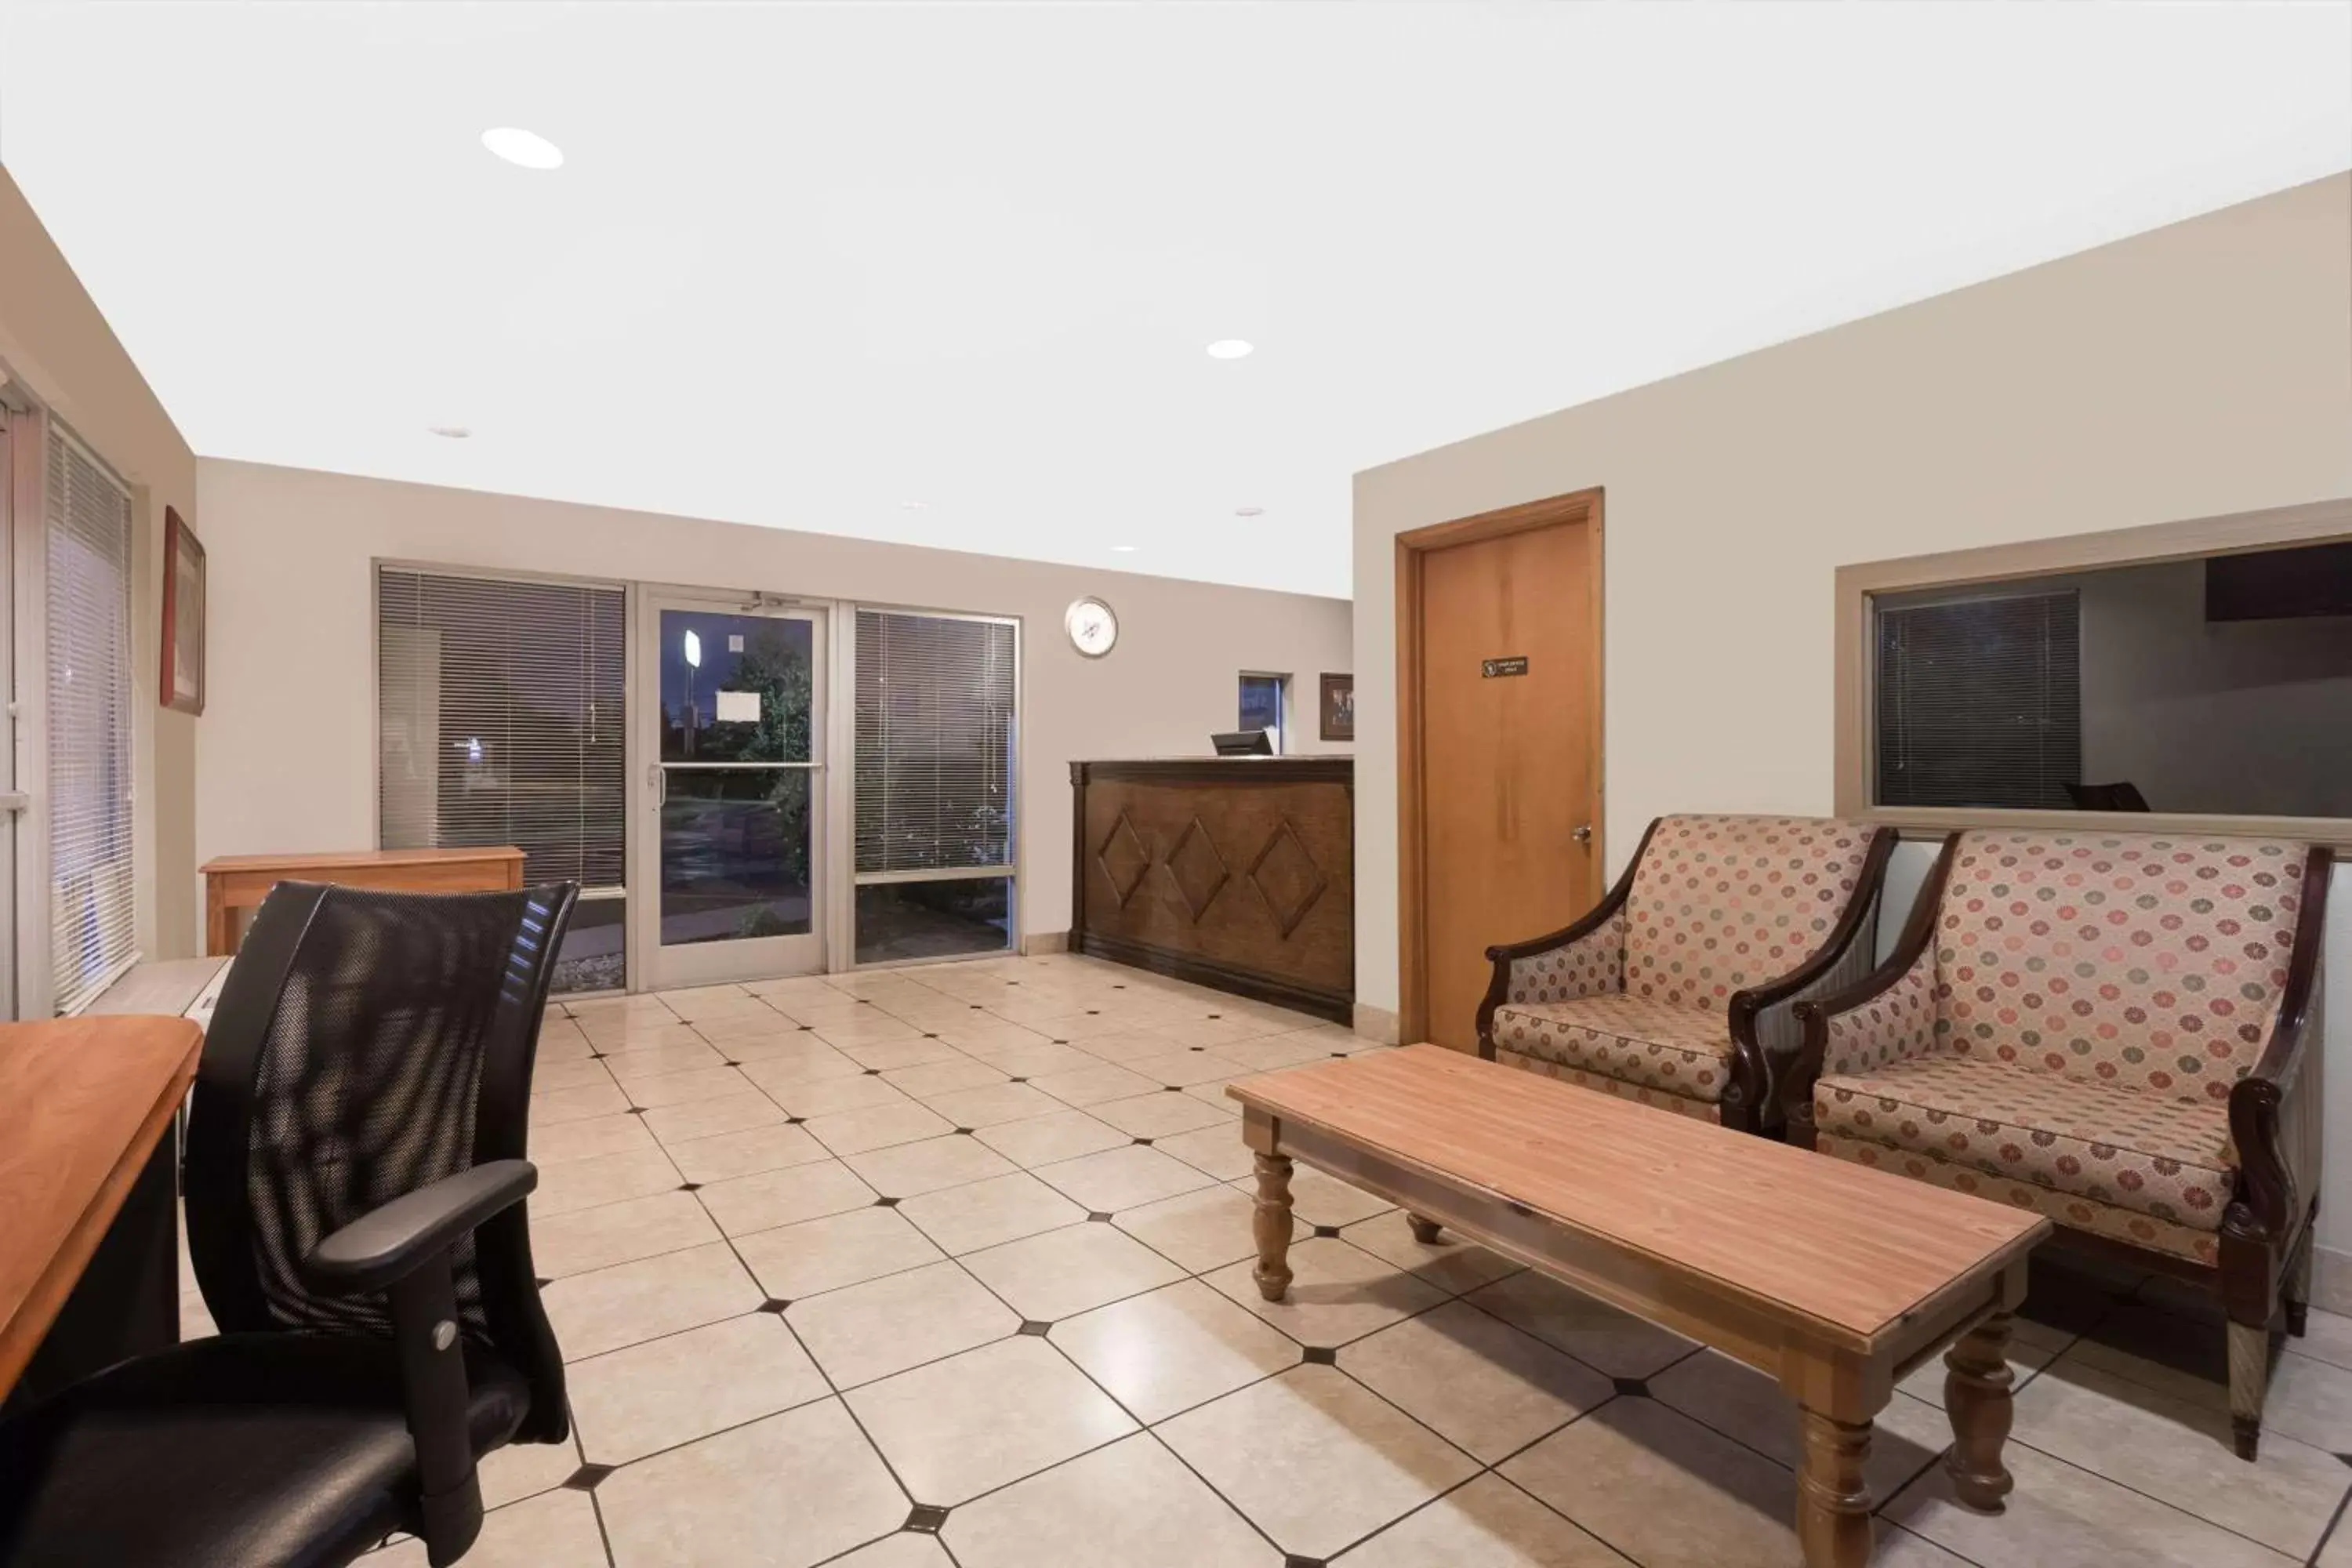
1338, 708
180, 685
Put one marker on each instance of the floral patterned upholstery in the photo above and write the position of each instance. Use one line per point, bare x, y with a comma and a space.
1656, 1099
1898, 1022
1720, 903
1632, 1039
1591, 965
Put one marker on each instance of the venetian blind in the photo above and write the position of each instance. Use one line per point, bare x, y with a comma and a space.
935, 738
1979, 702
500, 719
91, 905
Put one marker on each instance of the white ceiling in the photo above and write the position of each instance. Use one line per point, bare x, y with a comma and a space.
805, 264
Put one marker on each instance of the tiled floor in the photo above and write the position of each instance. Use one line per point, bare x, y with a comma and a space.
949, 1266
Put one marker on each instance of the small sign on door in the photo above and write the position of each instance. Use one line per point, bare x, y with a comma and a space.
1515, 664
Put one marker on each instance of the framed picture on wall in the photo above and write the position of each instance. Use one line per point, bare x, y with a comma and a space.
180, 685
1338, 708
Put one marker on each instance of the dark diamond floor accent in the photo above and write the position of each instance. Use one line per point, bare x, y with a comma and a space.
1174, 1088
774, 1304
1633, 1385
1322, 1355
966, 1131
806, 1027
931, 1036
886, 1203
1292, 1560
865, 1002
1327, 1230
734, 1064
1145, 1141
1100, 1217
636, 1110
926, 1520
794, 1120
1020, 1081
1338, 1052
1216, 1014
873, 1072
587, 1478
542, 1284
1033, 1328
690, 1187
975, 1007
1200, 1047
1094, 1012
595, 1056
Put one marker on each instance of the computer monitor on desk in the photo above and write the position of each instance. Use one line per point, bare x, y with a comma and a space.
1244, 743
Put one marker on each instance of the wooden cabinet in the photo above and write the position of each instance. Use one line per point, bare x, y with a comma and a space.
234, 885
1238, 873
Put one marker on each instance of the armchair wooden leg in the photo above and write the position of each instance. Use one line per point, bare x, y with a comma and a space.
1271, 1225
1424, 1231
2250, 1373
2296, 1290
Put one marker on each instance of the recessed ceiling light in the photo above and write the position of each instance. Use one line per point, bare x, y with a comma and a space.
1249, 512
1123, 549
454, 432
915, 505
1231, 348
523, 147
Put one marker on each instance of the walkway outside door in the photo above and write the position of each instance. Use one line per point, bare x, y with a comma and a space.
734, 795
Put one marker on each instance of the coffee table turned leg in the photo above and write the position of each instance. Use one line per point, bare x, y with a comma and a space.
1832, 1498
1976, 1391
1424, 1231
1271, 1225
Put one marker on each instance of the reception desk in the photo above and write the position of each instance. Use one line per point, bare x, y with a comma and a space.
1235, 872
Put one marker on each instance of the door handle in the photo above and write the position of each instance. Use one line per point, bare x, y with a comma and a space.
1583, 834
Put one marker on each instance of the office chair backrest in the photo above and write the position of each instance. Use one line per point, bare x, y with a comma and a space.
366, 1045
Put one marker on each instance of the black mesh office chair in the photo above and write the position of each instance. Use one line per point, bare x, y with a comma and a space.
354, 1186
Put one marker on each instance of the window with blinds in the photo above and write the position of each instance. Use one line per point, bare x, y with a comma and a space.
93, 908
935, 749
500, 719
1980, 702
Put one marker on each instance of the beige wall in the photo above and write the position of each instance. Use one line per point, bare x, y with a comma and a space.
2201, 368
289, 759
54, 341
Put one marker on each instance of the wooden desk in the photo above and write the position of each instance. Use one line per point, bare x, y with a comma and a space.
86, 1108
1778, 1257
239, 882
1235, 872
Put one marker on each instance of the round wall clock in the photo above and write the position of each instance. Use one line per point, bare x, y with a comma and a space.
1093, 628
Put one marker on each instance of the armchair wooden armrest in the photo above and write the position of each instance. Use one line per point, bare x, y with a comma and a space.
1912, 965
1591, 924
2273, 1113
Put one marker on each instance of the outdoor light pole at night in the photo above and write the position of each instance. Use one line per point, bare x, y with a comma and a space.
693, 663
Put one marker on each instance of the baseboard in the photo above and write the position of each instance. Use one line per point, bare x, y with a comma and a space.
2331, 1279
1043, 942
1376, 1024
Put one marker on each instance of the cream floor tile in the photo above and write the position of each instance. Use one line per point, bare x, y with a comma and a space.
1122, 1178
718, 1501
634, 1036
2337, 1552
1213, 1095
1053, 1276
887, 1325
1091, 1086
787, 1195
1750, 1407
2328, 1338
1337, 1293
631, 1402
1174, 1348
2180, 1453
553, 1530
974, 1421
735, 1028
587, 1140
987, 1213
641, 1004
832, 1096
683, 1000
907, 1549
992, 1104
1200, 1230
1478, 1383
525, 1469
886, 1056
841, 1249
1120, 1045
845, 1013
708, 1118
632, 1302
561, 1041
1059, 1134
989, 1039
1318, 1199
587, 1239
802, 1058
1034, 1062
639, 1063
787, 1042
601, 1179
680, 1087
1272, 1052
1158, 1115
906, 1170
1216, 1149
580, 1072
1664, 1491
935, 1078
1133, 1504
1449, 1263
714, 1008
2310, 1400
755, 1149
877, 1127
1315, 1460
1485, 1523
1613, 1342
1180, 1067
2060, 1516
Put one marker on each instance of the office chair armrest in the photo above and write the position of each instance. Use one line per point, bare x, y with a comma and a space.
385, 1244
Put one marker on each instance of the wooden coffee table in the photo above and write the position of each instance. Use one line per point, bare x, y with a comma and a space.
1834, 1279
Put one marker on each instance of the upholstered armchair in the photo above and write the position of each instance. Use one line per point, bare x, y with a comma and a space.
2118, 1030
1679, 990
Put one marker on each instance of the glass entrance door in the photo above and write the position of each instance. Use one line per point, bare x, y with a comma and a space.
737, 746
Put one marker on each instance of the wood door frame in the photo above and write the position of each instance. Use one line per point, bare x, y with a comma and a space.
1413, 827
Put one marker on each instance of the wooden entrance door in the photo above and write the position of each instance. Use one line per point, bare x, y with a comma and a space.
1499, 735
